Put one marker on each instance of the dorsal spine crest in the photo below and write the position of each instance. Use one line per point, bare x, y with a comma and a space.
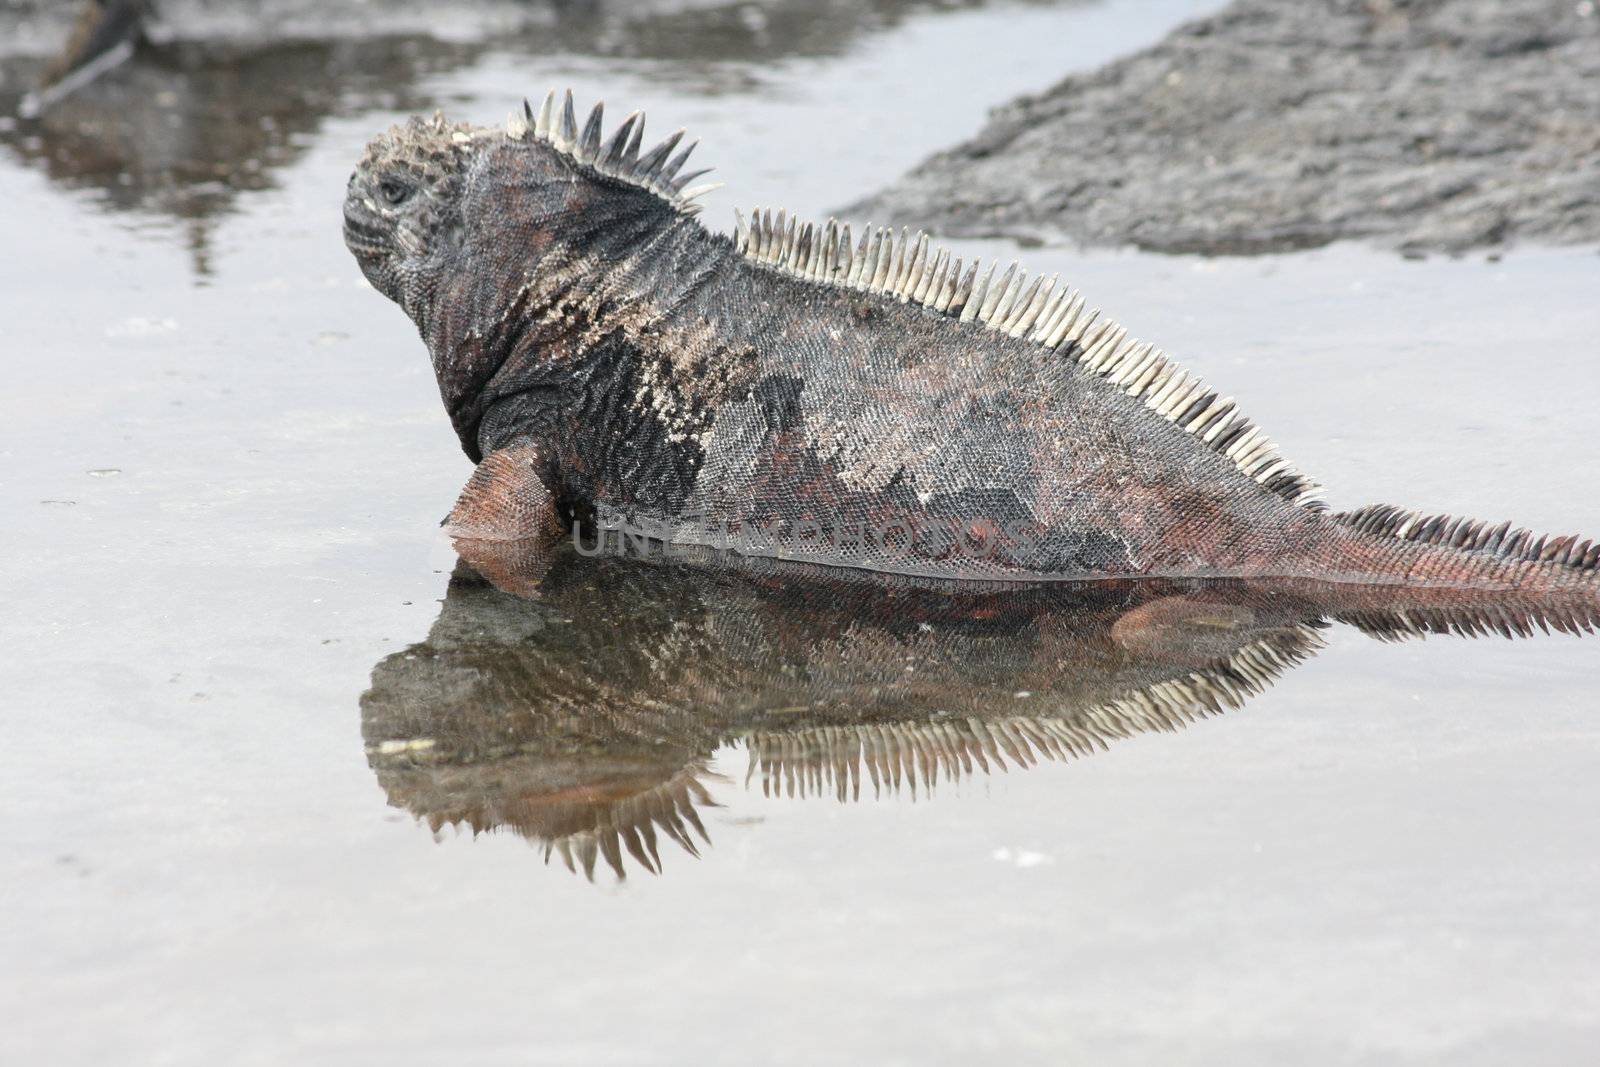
556, 124
911, 270
1472, 535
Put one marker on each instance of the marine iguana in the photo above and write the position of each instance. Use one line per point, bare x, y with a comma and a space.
790, 391
589, 720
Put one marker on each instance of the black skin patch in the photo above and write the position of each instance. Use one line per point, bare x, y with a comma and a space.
779, 397
641, 459
1024, 540
998, 506
1085, 551
532, 412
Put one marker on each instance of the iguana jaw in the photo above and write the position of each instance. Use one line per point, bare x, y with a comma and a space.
367, 243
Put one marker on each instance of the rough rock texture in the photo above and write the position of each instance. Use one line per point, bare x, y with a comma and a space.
1281, 124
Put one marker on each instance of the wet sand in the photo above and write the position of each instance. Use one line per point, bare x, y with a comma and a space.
220, 479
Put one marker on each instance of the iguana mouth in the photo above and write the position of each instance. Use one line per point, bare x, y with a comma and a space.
360, 235
369, 251
363, 242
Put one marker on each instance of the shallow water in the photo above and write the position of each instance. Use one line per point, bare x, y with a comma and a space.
222, 463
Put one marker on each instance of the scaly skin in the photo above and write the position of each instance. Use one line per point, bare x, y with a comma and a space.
603, 355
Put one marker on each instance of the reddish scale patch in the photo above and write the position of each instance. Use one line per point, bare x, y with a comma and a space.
506, 499
1169, 627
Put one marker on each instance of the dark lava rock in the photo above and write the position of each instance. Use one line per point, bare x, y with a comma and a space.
1422, 125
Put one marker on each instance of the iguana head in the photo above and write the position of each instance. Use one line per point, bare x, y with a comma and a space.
429, 194
402, 207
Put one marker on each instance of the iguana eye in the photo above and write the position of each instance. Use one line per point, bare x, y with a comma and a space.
393, 191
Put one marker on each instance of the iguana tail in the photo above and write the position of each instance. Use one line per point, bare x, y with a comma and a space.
1442, 550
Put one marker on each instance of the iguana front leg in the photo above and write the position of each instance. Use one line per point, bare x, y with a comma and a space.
506, 521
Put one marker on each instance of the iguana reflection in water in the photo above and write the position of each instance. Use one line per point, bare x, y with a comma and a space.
586, 719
